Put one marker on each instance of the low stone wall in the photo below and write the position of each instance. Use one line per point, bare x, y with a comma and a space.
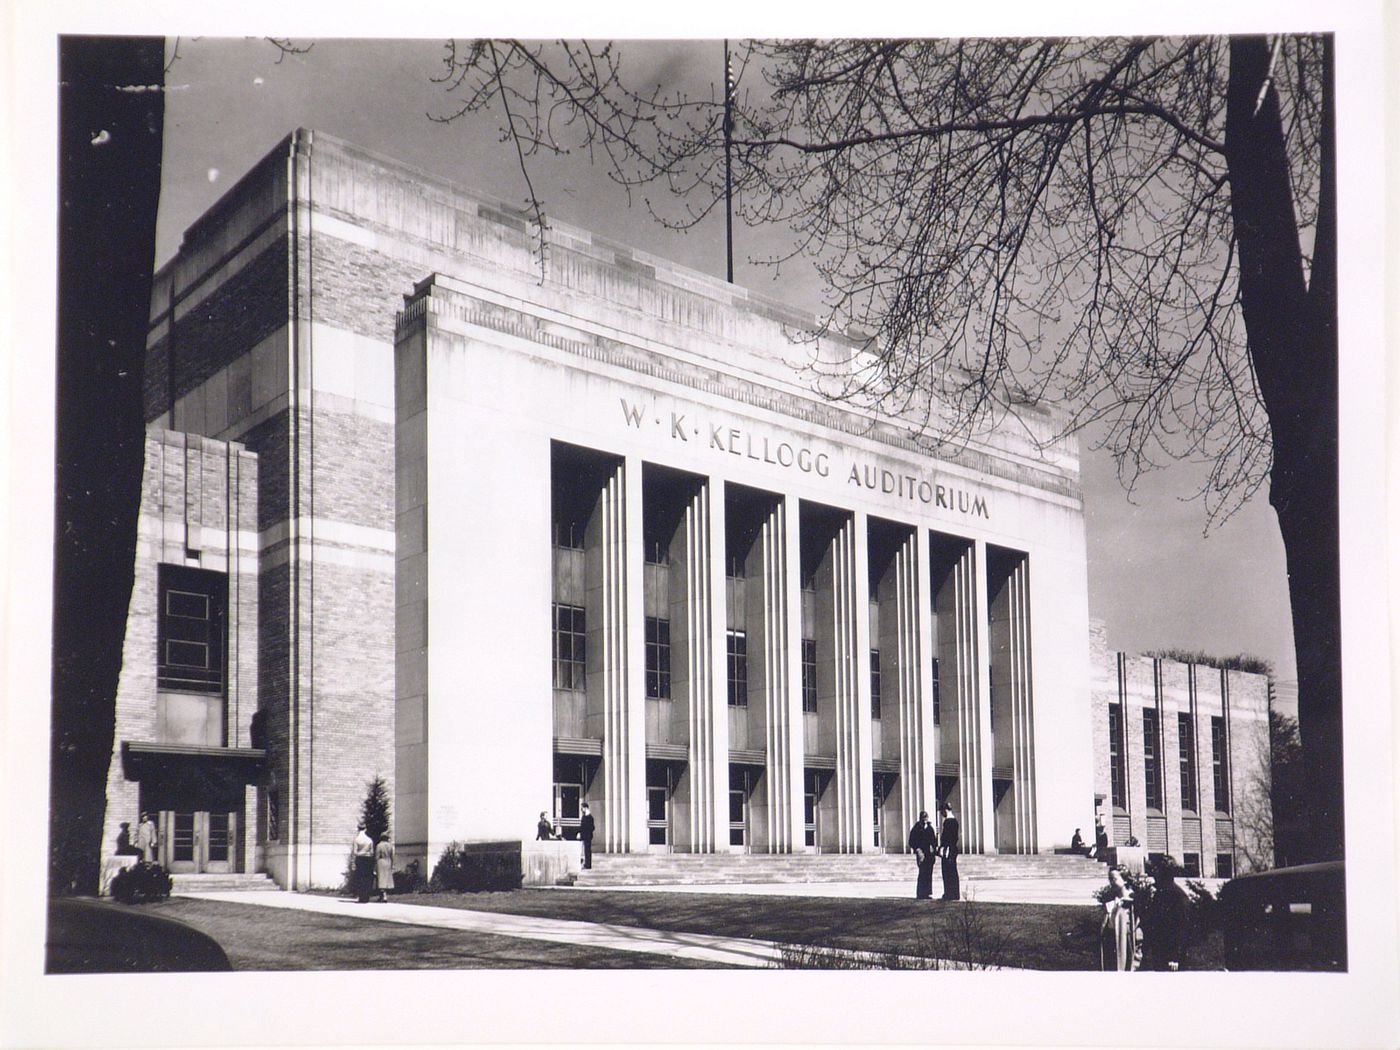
550, 863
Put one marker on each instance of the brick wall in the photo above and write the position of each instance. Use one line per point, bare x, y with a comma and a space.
1203, 693
211, 329
196, 495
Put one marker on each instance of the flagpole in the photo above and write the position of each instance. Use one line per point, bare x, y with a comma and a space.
728, 170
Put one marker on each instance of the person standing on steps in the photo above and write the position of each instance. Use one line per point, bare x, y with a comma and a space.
923, 843
544, 830
147, 840
948, 839
585, 832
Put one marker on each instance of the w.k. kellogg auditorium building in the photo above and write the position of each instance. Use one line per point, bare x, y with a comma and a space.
514, 539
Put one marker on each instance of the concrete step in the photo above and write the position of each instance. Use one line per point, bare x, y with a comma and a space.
220, 883
708, 869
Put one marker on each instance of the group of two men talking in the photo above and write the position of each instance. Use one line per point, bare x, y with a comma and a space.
926, 844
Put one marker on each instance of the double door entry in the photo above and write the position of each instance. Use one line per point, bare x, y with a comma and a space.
198, 840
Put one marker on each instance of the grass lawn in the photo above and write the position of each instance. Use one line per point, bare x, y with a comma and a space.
1033, 936
258, 938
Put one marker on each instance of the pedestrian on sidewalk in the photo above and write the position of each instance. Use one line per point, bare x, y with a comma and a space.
1165, 918
585, 832
948, 847
363, 854
384, 867
1120, 942
923, 843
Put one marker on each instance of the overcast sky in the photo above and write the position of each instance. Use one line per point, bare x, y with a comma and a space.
1154, 579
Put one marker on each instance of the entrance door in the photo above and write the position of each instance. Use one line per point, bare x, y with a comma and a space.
809, 811
199, 840
658, 818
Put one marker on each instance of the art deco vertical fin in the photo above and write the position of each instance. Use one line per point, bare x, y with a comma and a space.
1023, 721
911, 674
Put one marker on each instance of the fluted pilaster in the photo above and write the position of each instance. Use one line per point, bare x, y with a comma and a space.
1022, 711
850, 633
914, 679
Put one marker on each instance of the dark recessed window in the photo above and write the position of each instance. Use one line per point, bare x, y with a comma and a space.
1224, 866
1186, 748
809, 674
736, 645
874, 683
1117, 773
1151, 753
1191, 865
570, 647
1220, 765
568, 535
191, 629
658, 658
937, 711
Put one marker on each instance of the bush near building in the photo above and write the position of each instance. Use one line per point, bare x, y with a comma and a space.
141, 882
462, 870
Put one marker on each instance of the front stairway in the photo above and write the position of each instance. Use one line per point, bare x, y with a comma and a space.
682, 869
219, 883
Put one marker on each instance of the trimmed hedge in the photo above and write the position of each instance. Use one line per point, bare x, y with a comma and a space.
464, 868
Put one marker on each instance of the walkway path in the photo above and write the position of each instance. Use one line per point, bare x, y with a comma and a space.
727, 951
701, 947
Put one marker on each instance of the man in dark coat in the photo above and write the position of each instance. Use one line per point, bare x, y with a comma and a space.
949, 839
1164, 922
923, 843
585, 832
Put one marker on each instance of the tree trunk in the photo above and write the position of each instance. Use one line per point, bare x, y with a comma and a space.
111, 119
1292, 332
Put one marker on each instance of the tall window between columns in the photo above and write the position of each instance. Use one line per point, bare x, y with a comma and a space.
570, 647
1186, 747
1151, 753
658, 633
736, 645
1117, 773
874, 683
809, 674
1220, 767
937, 713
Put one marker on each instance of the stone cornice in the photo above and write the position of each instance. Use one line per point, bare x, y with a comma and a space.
655, 364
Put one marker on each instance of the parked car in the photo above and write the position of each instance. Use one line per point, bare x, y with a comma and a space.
91, 936
1286, 919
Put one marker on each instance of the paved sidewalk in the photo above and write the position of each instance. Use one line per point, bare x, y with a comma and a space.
726, 951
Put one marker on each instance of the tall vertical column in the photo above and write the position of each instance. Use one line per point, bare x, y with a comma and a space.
851, 644
1022, 710
963, 666
698, 624
634, 654
780, 665
914, 637
614, 605
983, 822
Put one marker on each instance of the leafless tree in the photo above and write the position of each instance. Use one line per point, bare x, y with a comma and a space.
1141, 230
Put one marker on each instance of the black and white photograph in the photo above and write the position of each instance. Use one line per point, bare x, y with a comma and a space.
499, 522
